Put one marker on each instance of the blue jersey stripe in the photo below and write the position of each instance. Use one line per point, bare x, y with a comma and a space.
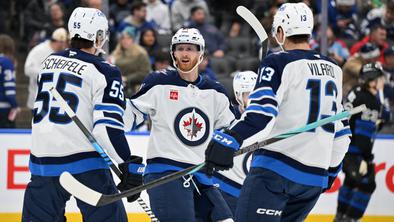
265, 109
343, 132
107, 122
289, 172
76, 167
225, 187
109, 108
263, 92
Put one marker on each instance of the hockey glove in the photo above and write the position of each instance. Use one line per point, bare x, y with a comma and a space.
132, 170
220, 152
332, 175
351, 166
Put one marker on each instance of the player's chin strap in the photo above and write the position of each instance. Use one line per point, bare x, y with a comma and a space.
191, 70
280, 43
99, 49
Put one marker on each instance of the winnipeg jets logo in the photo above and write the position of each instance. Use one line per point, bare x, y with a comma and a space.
191, 126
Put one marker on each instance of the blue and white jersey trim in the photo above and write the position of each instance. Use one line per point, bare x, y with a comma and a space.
108, 121
109, 108
290, 169
343, 132
263, 92
267, 110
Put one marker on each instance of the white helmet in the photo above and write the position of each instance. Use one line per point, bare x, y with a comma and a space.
188, 36
90, 24
294, 18
243, 82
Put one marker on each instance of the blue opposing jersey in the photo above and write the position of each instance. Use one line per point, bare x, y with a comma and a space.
7, 84
295, 88
184, 115
93, 89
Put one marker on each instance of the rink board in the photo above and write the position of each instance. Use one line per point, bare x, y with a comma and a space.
14, 175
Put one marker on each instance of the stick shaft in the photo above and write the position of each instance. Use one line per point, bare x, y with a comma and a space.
96, 145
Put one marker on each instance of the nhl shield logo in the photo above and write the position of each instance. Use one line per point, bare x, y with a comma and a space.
192, 126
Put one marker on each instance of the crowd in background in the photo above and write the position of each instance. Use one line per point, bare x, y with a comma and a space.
359, 32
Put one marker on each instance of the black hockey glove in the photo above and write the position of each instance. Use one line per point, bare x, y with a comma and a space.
351, 166
220, 152
332, 175
132, 170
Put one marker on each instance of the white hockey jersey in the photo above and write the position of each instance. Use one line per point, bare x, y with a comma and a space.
93, 89
295, 88
184, 115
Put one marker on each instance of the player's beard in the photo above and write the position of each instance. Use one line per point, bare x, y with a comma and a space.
186, 66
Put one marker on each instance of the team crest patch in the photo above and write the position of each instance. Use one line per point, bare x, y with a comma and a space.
192, 126
174, 94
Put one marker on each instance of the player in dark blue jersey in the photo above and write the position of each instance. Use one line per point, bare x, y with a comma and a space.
8, 105
358, 165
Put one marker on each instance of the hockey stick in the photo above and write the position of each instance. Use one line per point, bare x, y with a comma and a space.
95, 198
97, 146
256, 26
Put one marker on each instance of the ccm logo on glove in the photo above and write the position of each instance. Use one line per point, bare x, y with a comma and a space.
225, 140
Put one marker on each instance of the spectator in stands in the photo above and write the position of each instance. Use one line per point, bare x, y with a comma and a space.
205, 70
342, 17
132, 60
118, 11
180, 11
159, 13
351, 69
98, 4
137, 19
162, 60
378, 36
337, 49
388, 67
383, 16
37, 55
56, 13
8, 105
36, 18
214, 39
148, 40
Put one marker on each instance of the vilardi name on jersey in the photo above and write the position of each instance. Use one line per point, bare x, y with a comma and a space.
184, 115
92, 88
273, 110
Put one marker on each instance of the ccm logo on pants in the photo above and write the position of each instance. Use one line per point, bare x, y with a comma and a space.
270, 212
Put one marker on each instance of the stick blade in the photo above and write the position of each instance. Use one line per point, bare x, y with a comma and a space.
253, 22
79, 190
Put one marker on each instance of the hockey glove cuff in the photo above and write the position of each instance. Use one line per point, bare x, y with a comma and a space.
132, 171
220, 152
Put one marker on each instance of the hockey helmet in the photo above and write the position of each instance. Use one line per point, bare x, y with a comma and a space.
89, 24
294, 19
243, 82
370, 72
188, 36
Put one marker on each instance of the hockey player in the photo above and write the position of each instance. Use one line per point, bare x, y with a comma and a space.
94, 91
8, 105
230, 182
185, 108
294, 87
358, 165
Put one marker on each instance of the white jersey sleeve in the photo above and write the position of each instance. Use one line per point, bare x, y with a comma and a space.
109, 107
